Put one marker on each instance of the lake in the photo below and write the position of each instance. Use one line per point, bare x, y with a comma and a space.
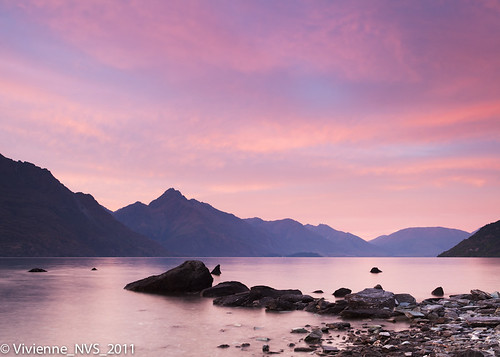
72, 305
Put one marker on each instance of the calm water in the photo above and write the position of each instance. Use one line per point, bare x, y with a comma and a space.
70, 304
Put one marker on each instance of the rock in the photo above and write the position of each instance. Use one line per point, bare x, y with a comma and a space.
375, 270
480, 321
299, 330
369, 303
189, 277
314, 337
37, 270
216, 270
304, 349
223, 346
265, 348
93, 269
438, 291
329, 349
258, 296
339, 325
341, 292
468, 353
378, 286
480, 295
318, 292
405, 300
495, 295
225, 288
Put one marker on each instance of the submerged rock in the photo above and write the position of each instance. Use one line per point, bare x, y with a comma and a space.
189, 277
375, 270
225, 288
37, 270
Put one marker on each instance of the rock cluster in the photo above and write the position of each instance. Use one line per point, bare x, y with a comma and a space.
466, 325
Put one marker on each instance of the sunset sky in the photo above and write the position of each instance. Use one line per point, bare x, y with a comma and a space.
369, 116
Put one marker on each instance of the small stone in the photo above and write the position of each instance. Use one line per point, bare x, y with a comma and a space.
341, 292
378, 286
384, 333
246, 344
223, 346
318, 292
93, 269
375, 270
263, 339
37, 270
304, 349
314, 336
265, 348
299, 330
216, 270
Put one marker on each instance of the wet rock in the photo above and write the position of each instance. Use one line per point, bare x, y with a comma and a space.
369, 303
375, 270
216, 270
341, 292
480, 295
191, 276
289, 302
299, 330
318, 292
304, 349
265, 348
438, 291
37, 270
258, 296
480, 321
314, 337
405, 300
224, 289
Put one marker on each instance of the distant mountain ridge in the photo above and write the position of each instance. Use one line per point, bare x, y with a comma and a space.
420, 241
193, 228
483, 243
39, 216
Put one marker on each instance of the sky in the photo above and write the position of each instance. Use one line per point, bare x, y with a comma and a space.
369, 116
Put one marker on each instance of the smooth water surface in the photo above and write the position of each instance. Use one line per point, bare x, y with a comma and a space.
70, 304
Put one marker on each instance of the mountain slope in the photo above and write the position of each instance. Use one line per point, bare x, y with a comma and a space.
484, 243
420, 241
193, 228
347, 244
41, 217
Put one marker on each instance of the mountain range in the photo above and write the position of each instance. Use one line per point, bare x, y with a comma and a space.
39, 216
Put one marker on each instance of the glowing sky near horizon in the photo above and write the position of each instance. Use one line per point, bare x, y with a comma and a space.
368, 116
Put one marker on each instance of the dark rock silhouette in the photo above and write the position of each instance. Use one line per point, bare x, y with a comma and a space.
405, 299
93, 269
258, 296
216, 270
189, 277
438, 291
318, 292
378, 286
375, 270
37, 270
224, 289
341, 292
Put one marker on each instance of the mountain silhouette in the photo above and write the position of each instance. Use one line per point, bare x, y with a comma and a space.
39, 216
484, 243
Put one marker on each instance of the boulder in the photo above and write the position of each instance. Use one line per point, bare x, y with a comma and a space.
224, 289
37, 270
369, 303
216, 270
405, 300
438, 291
258, 296
480, 295
375, 270
189, 277
341, 292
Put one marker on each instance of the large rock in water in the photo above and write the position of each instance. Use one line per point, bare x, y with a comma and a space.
225, 288
373, 303
189, 277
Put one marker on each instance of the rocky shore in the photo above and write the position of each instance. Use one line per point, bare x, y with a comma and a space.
362, 323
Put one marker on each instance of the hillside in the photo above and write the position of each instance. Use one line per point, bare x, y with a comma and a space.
484, 243
420, 241
193, 228
39, 216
